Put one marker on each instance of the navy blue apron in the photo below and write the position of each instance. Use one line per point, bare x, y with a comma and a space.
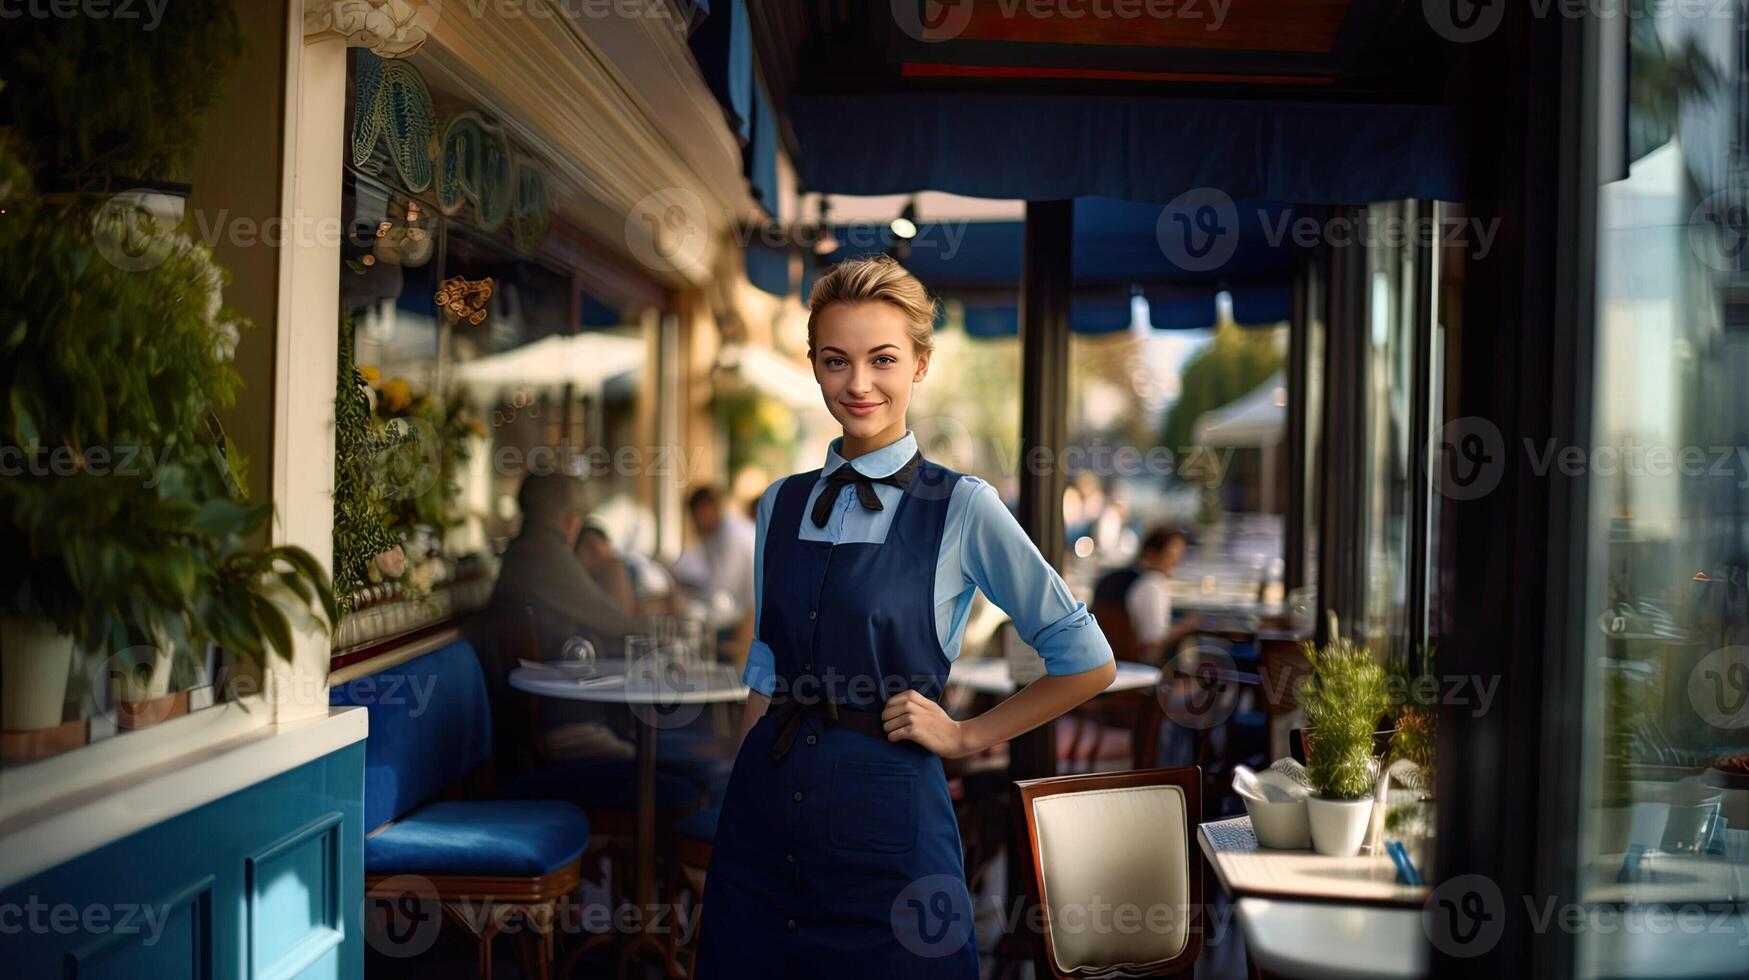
843, 858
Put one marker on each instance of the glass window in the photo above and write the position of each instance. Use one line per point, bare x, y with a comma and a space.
1666, 772
1182, 429
1389, 380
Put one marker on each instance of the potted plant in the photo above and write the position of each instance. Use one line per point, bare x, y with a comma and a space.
125, 525
1414, 698
1343, 699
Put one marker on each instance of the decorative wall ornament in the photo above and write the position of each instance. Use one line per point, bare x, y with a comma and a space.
391, 103
530, 217
474, 159
390, 28
465, 299
476, 164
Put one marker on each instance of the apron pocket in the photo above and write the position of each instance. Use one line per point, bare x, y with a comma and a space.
874, 806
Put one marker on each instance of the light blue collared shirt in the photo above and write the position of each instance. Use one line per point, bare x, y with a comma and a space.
982, 547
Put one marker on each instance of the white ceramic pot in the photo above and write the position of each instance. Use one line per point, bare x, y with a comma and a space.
35, 660
1280, 823
140, 673
1338, 826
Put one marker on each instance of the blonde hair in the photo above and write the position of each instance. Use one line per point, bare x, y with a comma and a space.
876, 280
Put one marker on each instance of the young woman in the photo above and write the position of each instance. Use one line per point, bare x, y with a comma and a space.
836, 853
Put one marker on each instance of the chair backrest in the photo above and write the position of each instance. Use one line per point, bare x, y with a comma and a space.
1113, 614
1115, 864
1281, 666
430, 724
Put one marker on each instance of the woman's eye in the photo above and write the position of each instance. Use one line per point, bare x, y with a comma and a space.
834, 361
886, 359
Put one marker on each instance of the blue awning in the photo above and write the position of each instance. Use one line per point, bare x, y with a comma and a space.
722, 43
1118, 246
759, 156
986, 318
1045, 147
768, 268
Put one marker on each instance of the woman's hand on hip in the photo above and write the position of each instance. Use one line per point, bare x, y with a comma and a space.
909, 715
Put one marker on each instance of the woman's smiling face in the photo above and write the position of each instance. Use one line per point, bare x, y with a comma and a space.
866, 363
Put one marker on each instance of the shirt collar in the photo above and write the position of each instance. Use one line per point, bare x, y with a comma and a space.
884, 461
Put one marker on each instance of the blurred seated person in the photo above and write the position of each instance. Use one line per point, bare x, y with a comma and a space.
540, 569
1138, 598
718, 568
601, 559
640, 585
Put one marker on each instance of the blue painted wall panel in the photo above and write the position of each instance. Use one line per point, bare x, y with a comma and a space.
265, 883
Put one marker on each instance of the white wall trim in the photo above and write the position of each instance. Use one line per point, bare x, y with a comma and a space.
308, 340
109, 809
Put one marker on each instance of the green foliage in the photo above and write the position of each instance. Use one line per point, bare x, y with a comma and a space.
1227, 368
361, 503
432, 444
126, 522
1344, 699
1414, 691
95, 97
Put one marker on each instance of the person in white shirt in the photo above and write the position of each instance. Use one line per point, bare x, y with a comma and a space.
718, 568
1141, 591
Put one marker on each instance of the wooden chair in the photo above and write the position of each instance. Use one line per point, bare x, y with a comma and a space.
1123, 841
688, 860
1282, 665
461, 900
1095, 727
513, 858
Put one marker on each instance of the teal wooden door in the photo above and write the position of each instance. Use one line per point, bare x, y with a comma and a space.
267, 883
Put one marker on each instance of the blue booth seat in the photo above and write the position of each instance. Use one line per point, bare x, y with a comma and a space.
699, 825
430, 726
604, 783
480, 837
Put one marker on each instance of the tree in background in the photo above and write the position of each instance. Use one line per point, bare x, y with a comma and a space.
1229, 367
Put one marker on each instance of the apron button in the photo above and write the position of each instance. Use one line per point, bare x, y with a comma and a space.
791, 923
791, 858
807, 666
812, 614
798, 796
812, 739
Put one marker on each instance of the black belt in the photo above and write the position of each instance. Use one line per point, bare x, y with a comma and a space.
787, 714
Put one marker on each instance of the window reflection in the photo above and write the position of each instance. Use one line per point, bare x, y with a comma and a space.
1668, 815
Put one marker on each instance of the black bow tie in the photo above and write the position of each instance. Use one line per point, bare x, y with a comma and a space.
865, 492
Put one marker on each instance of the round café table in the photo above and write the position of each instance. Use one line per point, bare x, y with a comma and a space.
653, 694
989, 675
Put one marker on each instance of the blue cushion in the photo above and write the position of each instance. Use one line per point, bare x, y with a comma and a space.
430, 723
699, 824
679, 752
601, 783
480, 837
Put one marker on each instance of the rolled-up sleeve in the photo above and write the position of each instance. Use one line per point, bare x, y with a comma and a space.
999, 558
760, 674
